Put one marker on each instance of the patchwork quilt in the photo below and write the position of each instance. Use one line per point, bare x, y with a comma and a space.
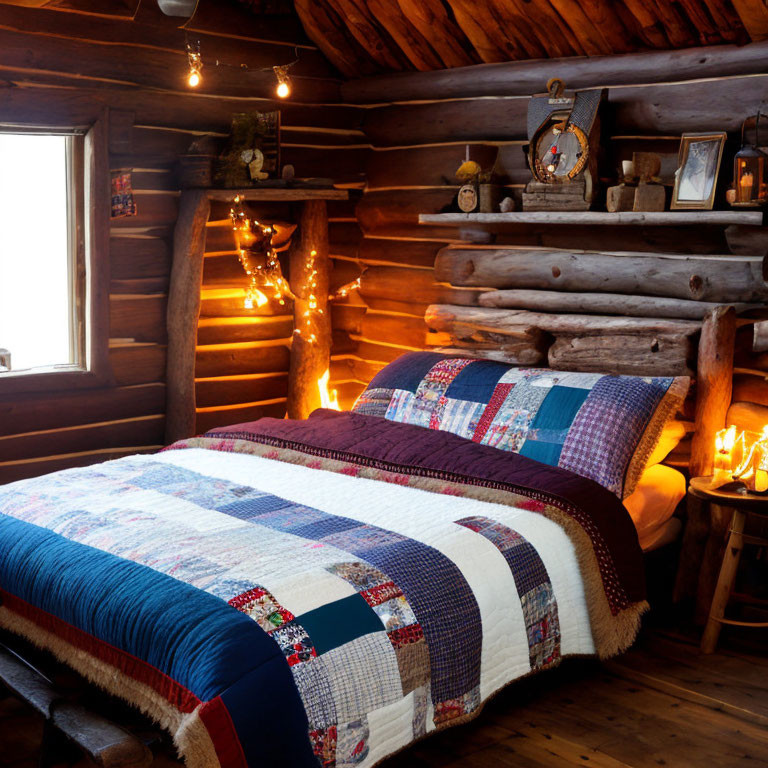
316, 593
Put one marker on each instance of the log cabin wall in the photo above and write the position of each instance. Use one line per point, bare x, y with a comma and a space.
420, 126
58, 66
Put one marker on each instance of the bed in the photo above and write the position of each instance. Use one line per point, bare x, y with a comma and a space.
330, 590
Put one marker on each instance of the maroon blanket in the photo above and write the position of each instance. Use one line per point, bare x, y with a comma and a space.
440, 461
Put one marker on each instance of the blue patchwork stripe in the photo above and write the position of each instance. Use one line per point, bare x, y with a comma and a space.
195, 638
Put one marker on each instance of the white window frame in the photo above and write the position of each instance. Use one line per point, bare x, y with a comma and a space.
89, 280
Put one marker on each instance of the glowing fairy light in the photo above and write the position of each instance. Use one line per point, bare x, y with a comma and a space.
258, 258
195, 64
283, 89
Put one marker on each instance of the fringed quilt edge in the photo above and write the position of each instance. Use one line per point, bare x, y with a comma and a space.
189, 734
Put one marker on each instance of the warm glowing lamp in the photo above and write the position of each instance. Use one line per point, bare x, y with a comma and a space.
750, 171
195, 64
283, 89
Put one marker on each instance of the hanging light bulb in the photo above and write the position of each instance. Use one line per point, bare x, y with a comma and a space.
195, 63
283, 89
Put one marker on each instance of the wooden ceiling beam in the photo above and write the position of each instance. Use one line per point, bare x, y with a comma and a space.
365, 29
481, 30
328, 30
431, 19
521, 78
540, 22
405, 35
754, 17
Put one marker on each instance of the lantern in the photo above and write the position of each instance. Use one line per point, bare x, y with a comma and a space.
750, 189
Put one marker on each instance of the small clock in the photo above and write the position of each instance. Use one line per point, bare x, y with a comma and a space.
560, 153
563, 132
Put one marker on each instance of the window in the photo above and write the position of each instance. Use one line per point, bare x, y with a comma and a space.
40, 259
54, 257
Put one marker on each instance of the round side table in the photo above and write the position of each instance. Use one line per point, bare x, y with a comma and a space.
741, 505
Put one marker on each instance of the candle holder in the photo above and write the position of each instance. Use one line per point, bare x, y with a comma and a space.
750, 187
741, 460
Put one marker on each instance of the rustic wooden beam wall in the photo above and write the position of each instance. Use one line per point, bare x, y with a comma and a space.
60, 68
419, 142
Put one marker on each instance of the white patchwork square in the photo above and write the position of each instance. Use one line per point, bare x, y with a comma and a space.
300, 593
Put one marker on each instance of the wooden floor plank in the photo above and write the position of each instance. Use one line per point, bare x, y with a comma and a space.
660, 704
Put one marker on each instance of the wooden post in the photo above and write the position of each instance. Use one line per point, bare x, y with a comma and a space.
183, 313
309, 359
714, 385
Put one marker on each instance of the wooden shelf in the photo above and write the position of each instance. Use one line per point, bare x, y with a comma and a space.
277, 194
602, 218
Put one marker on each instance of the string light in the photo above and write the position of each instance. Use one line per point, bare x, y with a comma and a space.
195, 68
312, 309
262, 266
283, 89
195, 64
257, 257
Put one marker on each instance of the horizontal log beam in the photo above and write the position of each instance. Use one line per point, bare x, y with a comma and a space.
210, 418
223, 330
139, 318
750, 388
137, 363
55, 101
55, 410
629, 355
93, 63
248, 388
705, 278
518, 353
161, 33
522, 78
601, 304
248, 357
143, 430
630, 110
441, 317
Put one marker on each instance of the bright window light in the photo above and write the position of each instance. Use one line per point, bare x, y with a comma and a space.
35, 283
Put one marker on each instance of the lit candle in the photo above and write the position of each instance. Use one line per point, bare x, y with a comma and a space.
745, 187
723, 464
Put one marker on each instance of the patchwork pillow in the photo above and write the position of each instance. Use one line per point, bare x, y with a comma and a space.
600, 426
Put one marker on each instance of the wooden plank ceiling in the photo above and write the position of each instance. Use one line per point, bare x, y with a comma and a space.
364, 37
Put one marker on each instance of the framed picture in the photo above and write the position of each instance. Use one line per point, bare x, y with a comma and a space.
698, 166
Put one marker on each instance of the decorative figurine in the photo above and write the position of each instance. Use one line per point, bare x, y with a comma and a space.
563, 132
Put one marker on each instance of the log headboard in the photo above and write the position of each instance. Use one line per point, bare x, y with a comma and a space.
646, 314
